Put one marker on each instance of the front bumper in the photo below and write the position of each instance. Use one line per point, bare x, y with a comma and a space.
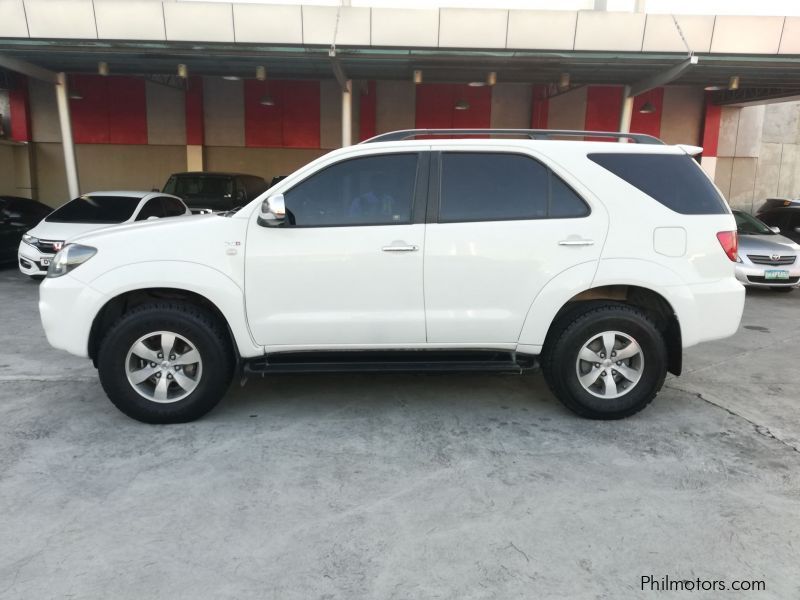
67, 308
755, 275
29, 260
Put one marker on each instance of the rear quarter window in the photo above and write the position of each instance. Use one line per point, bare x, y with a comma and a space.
674, 180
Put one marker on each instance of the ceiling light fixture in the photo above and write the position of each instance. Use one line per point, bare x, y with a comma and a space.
647, 108
491, 78
183, 71
417, 76
462, 105
563, 81
102, 69
476, 83
261, 73
733, 83
267, 101
75, 95
714, 88
231, 77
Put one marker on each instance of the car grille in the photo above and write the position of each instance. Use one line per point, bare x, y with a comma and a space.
48, 246
762, 279
763, 259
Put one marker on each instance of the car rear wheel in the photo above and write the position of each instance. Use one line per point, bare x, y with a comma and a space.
609, 362
165, 363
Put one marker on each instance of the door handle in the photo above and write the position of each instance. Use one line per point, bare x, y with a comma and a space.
576, 243
400, 248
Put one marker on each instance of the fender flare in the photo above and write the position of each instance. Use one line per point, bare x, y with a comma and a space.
213, 285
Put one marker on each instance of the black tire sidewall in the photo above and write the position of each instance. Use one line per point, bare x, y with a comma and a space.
192, 325
574, 337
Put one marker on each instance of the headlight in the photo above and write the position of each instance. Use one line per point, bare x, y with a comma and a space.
68, 258
29, 239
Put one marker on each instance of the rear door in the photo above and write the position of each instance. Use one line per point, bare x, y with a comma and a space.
504, 225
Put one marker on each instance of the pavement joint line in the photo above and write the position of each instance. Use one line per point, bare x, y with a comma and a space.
762, 430
42, 378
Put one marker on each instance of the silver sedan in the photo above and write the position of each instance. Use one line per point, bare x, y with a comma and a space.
765, 259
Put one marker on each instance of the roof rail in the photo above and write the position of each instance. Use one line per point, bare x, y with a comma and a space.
533, 134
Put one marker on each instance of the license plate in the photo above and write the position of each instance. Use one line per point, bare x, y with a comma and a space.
776, 274
45, 262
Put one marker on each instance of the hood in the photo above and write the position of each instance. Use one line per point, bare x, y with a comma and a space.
151, 227
766, 244
46, 230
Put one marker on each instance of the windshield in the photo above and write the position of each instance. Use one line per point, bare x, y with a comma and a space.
748, 225
95, 209
202, 191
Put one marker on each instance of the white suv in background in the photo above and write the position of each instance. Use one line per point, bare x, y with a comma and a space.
87, 213
598, 261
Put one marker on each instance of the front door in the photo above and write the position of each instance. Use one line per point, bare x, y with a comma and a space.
346, 267
505, 225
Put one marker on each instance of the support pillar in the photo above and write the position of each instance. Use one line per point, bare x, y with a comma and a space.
626, 112
62, 98
347, 114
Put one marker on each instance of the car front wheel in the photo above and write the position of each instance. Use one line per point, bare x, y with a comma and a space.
165, 363
609, 362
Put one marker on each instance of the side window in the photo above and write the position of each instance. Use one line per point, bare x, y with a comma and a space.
674, 180
151, 209
172, 207
371, 190
502, 187
773, 219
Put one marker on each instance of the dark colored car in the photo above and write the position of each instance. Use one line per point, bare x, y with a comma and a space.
216, 192
17, 215
783, 214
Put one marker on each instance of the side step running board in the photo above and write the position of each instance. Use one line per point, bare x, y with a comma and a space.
409, 361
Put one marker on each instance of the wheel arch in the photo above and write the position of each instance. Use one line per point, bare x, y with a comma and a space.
654, 304
122, 303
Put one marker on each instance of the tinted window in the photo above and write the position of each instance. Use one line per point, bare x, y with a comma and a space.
500, 187
173, 207
152, 208
96, 209
674, 180
30, 208
203, 191
372, 190
748, 225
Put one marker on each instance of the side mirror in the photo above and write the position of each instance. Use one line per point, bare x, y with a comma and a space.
273, 211
775, 229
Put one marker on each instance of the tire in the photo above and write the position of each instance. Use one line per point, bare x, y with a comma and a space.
623, 324
198, 335
783, 289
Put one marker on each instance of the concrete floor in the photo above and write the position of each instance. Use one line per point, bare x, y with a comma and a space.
401, 487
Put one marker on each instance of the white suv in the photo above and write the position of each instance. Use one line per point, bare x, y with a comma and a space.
598, 261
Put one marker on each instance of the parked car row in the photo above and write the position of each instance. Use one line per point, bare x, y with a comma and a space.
33, 233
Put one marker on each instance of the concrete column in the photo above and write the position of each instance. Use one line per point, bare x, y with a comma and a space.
25, 171
626, 112
62, 98
347, 114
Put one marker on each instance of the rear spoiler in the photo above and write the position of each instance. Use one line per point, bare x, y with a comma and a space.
691, 150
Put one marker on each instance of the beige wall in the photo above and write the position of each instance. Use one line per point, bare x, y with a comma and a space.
567, 111
511, 106
395, 105
7, 176
266, 162
759, 153
682, 116
106, 167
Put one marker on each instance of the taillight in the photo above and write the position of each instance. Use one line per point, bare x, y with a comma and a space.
729, 240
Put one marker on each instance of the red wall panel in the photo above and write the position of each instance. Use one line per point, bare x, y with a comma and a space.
648, 123
436, 106
603, 104
109, 110
195, 127
292, 122
540, 106
367, 112
127, 110
19, 107
711, 124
